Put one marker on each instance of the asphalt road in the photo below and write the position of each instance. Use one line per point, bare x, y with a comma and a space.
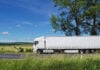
11, 56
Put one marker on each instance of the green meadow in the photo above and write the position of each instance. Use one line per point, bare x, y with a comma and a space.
15, 48
47, 61
53, 62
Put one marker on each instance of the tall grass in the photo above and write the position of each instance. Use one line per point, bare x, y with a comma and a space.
55, 62
15, 48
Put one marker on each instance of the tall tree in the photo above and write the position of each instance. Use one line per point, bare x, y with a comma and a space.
70, 16
77, 17
92, 16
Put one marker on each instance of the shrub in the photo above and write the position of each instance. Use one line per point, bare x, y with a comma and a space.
21, 49
29, 50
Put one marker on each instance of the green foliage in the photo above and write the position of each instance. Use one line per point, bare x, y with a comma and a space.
21, 49
92, 16
54, 24
70, 12
29, 50
77, 17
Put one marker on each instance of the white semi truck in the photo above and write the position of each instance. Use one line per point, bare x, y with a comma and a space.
69, 44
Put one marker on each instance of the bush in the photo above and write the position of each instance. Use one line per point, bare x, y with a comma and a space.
20, 50
29, 50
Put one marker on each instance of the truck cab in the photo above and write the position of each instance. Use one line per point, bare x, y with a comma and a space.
38, 45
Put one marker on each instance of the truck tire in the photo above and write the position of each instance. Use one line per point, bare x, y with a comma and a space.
39, 51
93, 51
81, 51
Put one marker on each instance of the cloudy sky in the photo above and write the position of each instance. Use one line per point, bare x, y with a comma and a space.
24, 20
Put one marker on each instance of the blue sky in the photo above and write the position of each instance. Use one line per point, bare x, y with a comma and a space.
24, 20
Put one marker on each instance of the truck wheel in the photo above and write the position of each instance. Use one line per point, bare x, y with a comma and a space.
93, 51
87, 51
81, 51
61, 51
39, 51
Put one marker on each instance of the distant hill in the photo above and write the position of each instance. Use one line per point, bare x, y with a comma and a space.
15, 43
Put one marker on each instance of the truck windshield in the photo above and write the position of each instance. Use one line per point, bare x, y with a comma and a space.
36, 42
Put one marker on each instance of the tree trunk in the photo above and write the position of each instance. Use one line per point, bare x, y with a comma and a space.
77, 30
93, 30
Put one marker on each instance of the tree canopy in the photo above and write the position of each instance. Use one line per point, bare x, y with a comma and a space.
77, 17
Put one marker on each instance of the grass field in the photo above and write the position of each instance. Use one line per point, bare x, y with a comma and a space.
14, 48
53, 62
48, 61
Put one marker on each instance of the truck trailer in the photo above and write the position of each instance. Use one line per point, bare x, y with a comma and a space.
67, 44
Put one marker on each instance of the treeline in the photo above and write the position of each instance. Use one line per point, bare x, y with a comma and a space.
16, 43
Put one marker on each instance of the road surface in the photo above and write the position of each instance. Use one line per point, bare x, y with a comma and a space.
11, 56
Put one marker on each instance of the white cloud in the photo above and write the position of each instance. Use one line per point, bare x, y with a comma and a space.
18, 25
4, 33
23, 23
26, 23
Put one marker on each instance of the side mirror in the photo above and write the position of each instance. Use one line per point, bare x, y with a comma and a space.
35, 42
